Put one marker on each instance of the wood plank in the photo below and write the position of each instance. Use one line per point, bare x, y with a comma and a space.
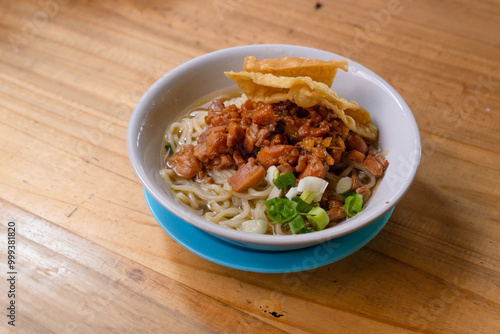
92, 258
102, 287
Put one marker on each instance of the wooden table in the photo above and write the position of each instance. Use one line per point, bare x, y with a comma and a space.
89, 256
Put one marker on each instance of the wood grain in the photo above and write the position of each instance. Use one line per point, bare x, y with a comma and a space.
93, 259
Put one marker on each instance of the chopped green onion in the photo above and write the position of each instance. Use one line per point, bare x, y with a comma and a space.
312, 183
257, 226
294, 191
308, 196
344, 185
307, 229
353, 204
318, 217
281, 209
285, 181
302, 207
349, 193
296, 224
272, 174
168, 149
275, 192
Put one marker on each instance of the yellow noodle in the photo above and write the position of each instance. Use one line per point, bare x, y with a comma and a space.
217, 202
221, 205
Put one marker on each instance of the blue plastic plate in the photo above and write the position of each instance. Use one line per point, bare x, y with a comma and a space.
218, 251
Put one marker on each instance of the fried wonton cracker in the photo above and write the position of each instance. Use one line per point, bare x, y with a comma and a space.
318, 70
306, 93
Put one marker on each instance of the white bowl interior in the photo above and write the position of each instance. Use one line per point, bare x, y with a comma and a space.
202, 78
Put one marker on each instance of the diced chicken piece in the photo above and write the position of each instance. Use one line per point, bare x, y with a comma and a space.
336, 154
264, 115
247, 176
278, 139
263, 137
373, 166
355, 182
238, 159
232, 112
216, 141
216, 105
315, 167
223, 161
204, 177
273, 155
218, 115
246, 112
236, 134
184, 163
248, 105
250, 138
200, 151
301, 163
216, 120
365, 192
333, 205
355, 155
203, 137
355, 142
335, 210
337, 143
285, 168
381, 160
378, 156
291, 128
308, 130
321, 153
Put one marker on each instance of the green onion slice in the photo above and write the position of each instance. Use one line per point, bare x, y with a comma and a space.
281, 209
308, 196
318, 217
302, 206
286, 180
349, 193
307, 229
296, 224
353, 205
168, 149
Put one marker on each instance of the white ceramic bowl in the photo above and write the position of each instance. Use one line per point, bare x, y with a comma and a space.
203, 76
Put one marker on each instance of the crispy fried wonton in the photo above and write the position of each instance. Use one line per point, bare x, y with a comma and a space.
302, 90
318, 70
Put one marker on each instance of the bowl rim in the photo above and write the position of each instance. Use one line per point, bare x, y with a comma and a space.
138, 118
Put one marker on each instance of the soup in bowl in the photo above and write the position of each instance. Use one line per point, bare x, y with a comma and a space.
288, 214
